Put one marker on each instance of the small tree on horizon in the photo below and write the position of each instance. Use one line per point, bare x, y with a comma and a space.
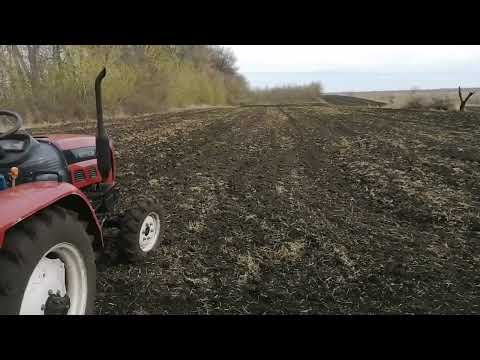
462, 101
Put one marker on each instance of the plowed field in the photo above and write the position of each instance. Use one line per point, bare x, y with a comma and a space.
304, 210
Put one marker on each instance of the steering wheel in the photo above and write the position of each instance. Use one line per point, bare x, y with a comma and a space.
15, 157
18, 122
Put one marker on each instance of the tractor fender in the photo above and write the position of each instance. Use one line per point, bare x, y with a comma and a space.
23, 201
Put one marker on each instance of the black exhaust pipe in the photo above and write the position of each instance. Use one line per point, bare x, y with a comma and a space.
102, 142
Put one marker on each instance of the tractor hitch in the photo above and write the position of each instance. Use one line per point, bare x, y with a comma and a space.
56, 304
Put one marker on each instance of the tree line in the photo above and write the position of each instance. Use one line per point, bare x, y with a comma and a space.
286, 94
55, 82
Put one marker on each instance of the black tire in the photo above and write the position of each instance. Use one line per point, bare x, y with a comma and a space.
131, 226
29, 241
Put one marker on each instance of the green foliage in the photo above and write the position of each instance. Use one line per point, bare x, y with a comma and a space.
140, 79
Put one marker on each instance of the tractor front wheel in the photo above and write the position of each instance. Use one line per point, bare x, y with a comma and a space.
47, 266
141, 229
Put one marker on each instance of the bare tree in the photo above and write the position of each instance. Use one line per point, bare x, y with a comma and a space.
56, 56
27, 59
464, 102
223, 59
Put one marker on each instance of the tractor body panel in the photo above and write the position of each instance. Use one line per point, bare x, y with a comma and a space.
69, 141
79, 152
22, 201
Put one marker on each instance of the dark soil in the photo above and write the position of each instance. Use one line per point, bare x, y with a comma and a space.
302, 210
344, 100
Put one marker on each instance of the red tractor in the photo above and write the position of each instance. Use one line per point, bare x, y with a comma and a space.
57, 194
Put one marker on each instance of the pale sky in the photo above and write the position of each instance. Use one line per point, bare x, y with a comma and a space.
426, 65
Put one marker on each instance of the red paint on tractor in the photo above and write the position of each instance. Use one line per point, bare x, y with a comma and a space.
89, 173
70, 141
25, 200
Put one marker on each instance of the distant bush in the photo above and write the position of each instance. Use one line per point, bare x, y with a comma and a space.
423, 102
442, 103
287, 94
415, 102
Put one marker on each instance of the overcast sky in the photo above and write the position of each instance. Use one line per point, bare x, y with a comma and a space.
391, 66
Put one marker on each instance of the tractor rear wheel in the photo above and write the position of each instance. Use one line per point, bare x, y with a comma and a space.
141, 230
47, 266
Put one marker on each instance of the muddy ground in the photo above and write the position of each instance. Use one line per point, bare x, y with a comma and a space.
302, 210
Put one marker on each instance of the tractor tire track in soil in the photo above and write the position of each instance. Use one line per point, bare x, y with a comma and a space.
302, 209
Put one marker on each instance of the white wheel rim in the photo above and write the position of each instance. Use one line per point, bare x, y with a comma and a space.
149, 232
61, 270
